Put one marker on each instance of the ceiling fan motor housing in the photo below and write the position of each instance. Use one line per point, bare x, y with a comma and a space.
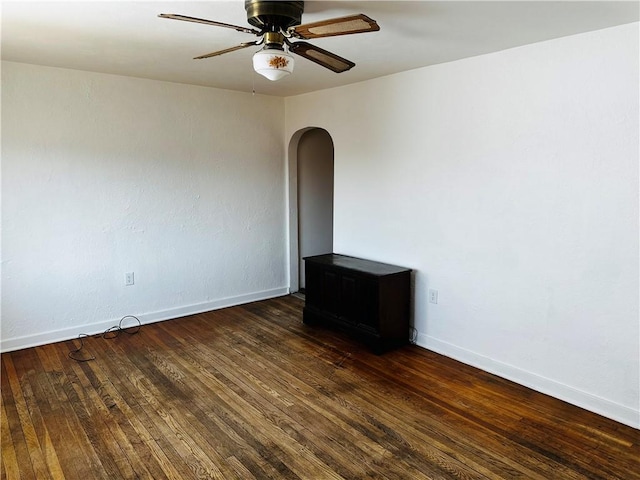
273, 15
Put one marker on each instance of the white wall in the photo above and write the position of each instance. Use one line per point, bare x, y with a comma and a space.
102, 175
509, 182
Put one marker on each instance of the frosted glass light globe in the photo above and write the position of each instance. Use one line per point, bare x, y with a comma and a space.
272, 63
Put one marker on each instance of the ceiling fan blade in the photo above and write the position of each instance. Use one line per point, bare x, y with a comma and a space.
335, 26
321, 57
175, 16
226, 50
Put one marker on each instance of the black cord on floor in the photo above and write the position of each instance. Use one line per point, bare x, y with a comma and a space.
108, 334
413, 335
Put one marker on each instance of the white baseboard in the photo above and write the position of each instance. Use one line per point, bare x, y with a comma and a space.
593, 403
11, 344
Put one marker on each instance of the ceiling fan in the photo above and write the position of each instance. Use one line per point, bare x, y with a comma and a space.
276, 24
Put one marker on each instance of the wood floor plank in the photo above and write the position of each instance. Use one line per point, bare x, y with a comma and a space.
441, 455
347, 412
458, 427
149, 423
250, 392
127, 415
95, 422
138, 454
574, 450
209, 423
290, 453
10, 467
11, 430
220, 380
36, 452
310, 400
203, 460
77, 455
38, 394
438, 453
553, 411
272, 406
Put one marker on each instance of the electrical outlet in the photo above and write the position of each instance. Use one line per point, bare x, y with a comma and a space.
433, 296
128, 278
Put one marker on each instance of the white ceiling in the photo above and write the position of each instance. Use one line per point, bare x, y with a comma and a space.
128, 38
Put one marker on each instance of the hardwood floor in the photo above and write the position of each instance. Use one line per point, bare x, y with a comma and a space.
250, 392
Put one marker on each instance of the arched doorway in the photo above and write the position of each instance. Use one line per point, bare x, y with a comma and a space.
311, 190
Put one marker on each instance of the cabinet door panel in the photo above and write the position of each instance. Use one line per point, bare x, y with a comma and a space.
370, 317
350, 301
313, 285
330, 292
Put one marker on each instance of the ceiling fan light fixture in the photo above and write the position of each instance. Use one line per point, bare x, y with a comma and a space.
277, 22
273, 63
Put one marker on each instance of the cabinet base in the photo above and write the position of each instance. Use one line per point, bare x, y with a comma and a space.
376, 344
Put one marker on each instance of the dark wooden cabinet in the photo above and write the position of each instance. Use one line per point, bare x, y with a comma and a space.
371, 300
